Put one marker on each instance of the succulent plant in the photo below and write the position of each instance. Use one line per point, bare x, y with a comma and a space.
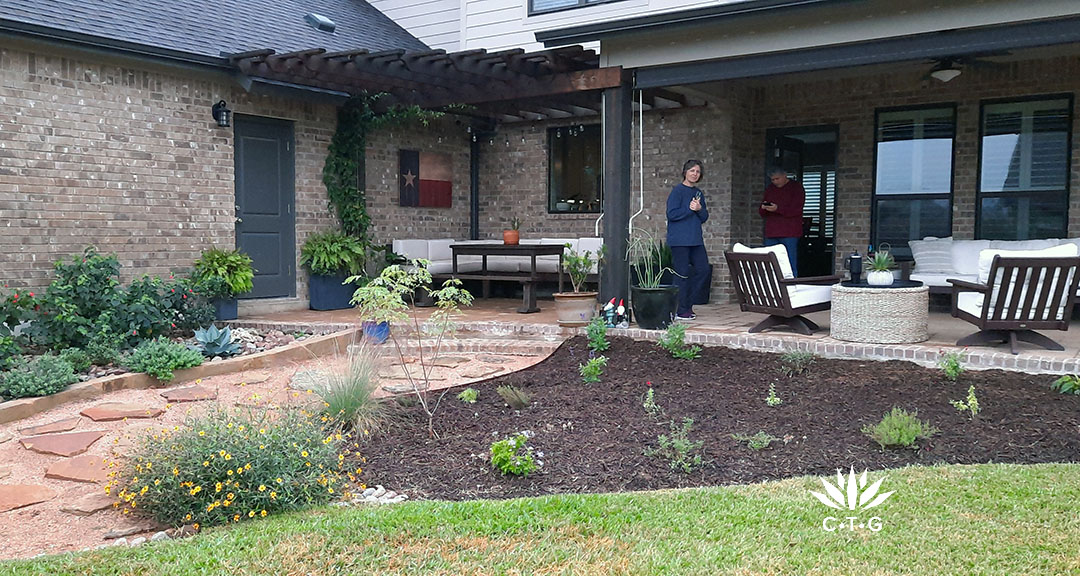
216, 342
880, 261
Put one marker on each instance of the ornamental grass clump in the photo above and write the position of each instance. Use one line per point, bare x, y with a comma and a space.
348, 391
230, 465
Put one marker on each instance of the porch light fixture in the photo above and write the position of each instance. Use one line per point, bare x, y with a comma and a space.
221, 114
945, 71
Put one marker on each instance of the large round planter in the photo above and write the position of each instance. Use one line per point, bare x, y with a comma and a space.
879, 278
575, 308
654, 308
225, 309
329, 292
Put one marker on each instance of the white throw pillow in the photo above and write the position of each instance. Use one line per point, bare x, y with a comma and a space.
965, 256
932, 255
986, 257
778, 249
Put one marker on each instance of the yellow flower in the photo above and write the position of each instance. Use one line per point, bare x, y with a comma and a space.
188, 517
247, 466
304, 453
202, 433
262, 487
221, 452
205, 463
273, 495
262, 430
251, 514
228, 457
195, 526
195, 490
279, 480
236, 518
263, 513
228, 472
157, 482
229, 426
217, 487
231, 496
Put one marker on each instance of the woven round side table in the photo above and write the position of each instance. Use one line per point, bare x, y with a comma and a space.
879, 315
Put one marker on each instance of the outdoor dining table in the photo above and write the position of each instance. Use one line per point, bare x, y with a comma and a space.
528, 279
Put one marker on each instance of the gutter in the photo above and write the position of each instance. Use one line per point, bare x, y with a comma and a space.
603, 30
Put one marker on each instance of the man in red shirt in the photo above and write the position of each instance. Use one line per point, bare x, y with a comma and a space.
782, 210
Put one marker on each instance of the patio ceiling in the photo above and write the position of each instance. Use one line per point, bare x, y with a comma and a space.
505, 86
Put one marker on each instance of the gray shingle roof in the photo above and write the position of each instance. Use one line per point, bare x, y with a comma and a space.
208, 28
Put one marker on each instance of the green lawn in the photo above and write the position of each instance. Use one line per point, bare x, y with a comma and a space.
964, 520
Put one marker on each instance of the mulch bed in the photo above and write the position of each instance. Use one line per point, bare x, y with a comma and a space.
594, 436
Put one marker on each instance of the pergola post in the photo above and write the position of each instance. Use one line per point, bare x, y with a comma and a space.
617, 117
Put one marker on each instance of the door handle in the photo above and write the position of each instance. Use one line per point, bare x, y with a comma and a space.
239, 220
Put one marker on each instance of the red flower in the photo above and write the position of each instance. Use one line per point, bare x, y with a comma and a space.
648, 383
174, 325
134, 332
183, 295
31, 294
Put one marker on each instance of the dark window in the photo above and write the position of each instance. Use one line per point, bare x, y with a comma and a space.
1024, 169
575, 169
913, 178
542, 6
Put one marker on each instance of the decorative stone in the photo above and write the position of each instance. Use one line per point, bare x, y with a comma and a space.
254, 377
159, 536
52, 427
79, 469
89, 504
379, 491
189, 394
138, 541
305, 380
367, 492
110, 411
4, 437
449, 361
120, 542
63, 444
480, 371
20, 495
121, 532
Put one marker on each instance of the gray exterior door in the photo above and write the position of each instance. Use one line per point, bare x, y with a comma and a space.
265, 198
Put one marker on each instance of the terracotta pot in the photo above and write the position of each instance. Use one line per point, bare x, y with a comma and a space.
511, 237
575, 308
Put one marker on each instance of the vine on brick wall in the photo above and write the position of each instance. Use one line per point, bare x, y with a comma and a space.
343, 172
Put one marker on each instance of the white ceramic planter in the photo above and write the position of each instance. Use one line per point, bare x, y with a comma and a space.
879, 278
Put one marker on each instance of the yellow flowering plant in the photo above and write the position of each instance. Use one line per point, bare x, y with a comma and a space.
231, 465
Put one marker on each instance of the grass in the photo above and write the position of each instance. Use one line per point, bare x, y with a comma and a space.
960, 520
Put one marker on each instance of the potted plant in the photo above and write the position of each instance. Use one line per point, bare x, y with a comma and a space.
880, 265
222, 276
330, 258
576, 308
512, 235
653, 299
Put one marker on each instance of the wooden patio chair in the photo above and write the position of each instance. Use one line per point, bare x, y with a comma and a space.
1024, 294
761, 287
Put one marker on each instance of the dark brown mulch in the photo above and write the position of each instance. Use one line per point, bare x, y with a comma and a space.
593, 436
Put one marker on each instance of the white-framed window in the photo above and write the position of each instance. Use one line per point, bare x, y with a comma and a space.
545, 6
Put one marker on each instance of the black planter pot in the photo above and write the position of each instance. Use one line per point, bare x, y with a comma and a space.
666, 278
225, 309
654, 308
329, 292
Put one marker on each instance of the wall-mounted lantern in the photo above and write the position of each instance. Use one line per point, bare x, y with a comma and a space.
222, 114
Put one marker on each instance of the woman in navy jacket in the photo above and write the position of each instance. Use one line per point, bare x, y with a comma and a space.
686, 212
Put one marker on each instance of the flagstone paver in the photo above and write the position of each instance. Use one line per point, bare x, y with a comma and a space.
189, 394
254, 378
19, 495
120, 410
480, 371
89, 504
62, 444
449, 361
58, 426
79, 469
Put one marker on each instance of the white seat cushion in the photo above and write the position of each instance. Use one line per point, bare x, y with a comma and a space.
932, 255
411, 248
778, 249
807, 294
506, 263
970, 302
986, 257
439, 249
943, 279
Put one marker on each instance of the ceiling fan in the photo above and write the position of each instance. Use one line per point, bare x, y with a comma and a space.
948, 68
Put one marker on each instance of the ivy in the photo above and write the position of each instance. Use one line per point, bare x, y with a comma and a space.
345, 163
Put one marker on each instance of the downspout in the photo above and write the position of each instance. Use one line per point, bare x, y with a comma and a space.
474, 188
641, 164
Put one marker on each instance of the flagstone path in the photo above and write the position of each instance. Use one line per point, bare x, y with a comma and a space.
54, 465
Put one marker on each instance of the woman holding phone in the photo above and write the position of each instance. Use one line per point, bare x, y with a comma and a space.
686, 212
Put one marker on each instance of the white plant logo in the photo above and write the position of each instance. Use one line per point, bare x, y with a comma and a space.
851, 494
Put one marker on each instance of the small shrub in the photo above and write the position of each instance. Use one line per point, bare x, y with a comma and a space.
597, 334
649, 403
950, 365
759, 441
682, 454
79, 360
468, 396
160, 357
674, 341
591, 370
513, 456
9, 352
1067, 384
216, 342
228, 466
44, 375
105, 346
969, 404
348, 392
899, 428
514, 397
796, 362
772, 399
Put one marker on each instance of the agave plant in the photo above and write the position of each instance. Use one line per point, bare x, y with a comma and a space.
216, 342
880, 261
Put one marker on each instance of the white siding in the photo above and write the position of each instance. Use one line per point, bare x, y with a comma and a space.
436, 23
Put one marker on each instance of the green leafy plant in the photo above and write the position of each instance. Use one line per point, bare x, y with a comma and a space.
231, 465
78, 359
674, 341
596, 332
969, 404
796, 362
85, 295
514, 397
468, 396
513, 456
899, 428
16, 308
950, 365
160, 357
759, 441
577, 266
232, 266
880, 261
9, 352
1067, 384
515, 223
44, 375
682, 454
648, 402
591, 370
650, 258
216, 342
331, 253
772, 399
384, 299
347, 388
105, 345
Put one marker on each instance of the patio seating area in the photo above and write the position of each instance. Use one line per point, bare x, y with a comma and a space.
723, 324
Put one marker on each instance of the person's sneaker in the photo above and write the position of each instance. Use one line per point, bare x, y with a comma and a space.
689, 316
